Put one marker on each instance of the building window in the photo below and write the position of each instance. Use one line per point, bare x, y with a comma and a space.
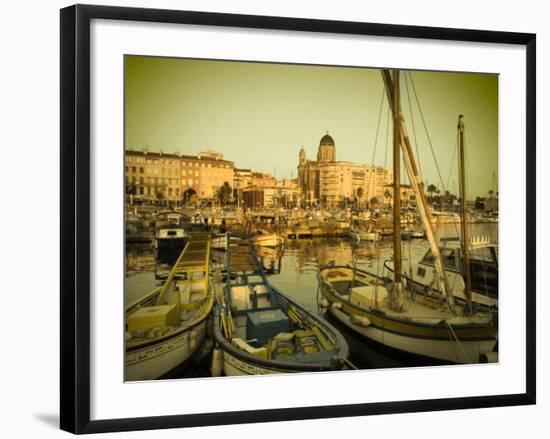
141, 170
133, 169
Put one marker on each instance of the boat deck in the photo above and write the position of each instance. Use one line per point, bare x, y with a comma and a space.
417, 307
240, 258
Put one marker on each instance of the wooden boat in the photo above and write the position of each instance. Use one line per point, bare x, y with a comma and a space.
418, 234
362, 230
410, 321
260, 330
266, 239
406, 235
426, 328
362, 235
164, 328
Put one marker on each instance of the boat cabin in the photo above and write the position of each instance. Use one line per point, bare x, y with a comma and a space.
483, 263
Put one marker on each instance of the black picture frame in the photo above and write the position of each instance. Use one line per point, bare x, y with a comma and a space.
75, 217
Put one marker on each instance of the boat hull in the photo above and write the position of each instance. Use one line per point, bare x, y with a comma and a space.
266, 241
358, 235
428, 349
233, 366
438, 341
156, 359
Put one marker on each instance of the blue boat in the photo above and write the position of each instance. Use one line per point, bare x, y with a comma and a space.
260, 330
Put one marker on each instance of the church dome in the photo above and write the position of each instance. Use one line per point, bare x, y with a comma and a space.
327, 149
327, 140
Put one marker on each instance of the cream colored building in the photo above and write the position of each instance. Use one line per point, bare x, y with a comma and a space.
328, 182
155, 176
284, 193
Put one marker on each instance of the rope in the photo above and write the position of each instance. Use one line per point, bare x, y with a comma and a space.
387, 136
407, 75
378, 125
426, 129
453, 334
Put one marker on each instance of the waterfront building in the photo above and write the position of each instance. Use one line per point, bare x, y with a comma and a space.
241, 179
262, 180
283, 193
328, 182
157, 176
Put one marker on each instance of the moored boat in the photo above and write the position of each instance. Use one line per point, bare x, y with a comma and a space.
164, 328
384, 311
424, 327
260, 330
266, 239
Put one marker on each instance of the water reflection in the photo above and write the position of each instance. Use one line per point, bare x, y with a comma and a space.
293, 270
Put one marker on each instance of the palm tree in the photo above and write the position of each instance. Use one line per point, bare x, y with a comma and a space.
359, 196
387, 195
431, 189
224, 193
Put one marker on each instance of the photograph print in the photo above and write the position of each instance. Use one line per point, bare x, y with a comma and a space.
284, 218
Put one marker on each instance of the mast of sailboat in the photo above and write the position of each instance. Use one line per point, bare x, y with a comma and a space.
396, 298
416, 183
465, 238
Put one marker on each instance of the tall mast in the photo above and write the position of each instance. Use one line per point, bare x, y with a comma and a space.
465, 238
396, 299
416, 182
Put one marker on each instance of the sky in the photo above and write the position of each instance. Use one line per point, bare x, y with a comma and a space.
259, 115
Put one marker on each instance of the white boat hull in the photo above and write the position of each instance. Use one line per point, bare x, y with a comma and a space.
157, 359
463, 352
271, 240
360, 235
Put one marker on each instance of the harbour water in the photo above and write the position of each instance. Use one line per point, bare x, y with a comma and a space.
296, 266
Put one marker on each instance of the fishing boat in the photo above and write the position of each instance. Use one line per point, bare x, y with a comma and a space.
165, 327
170, 237
260, 330
264, 238
384, 311
418, 234
362, 231
406, 235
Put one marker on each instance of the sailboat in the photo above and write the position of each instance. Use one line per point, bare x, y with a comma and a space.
471, 263
384, 311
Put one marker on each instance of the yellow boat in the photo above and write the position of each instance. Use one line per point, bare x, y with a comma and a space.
166, 327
